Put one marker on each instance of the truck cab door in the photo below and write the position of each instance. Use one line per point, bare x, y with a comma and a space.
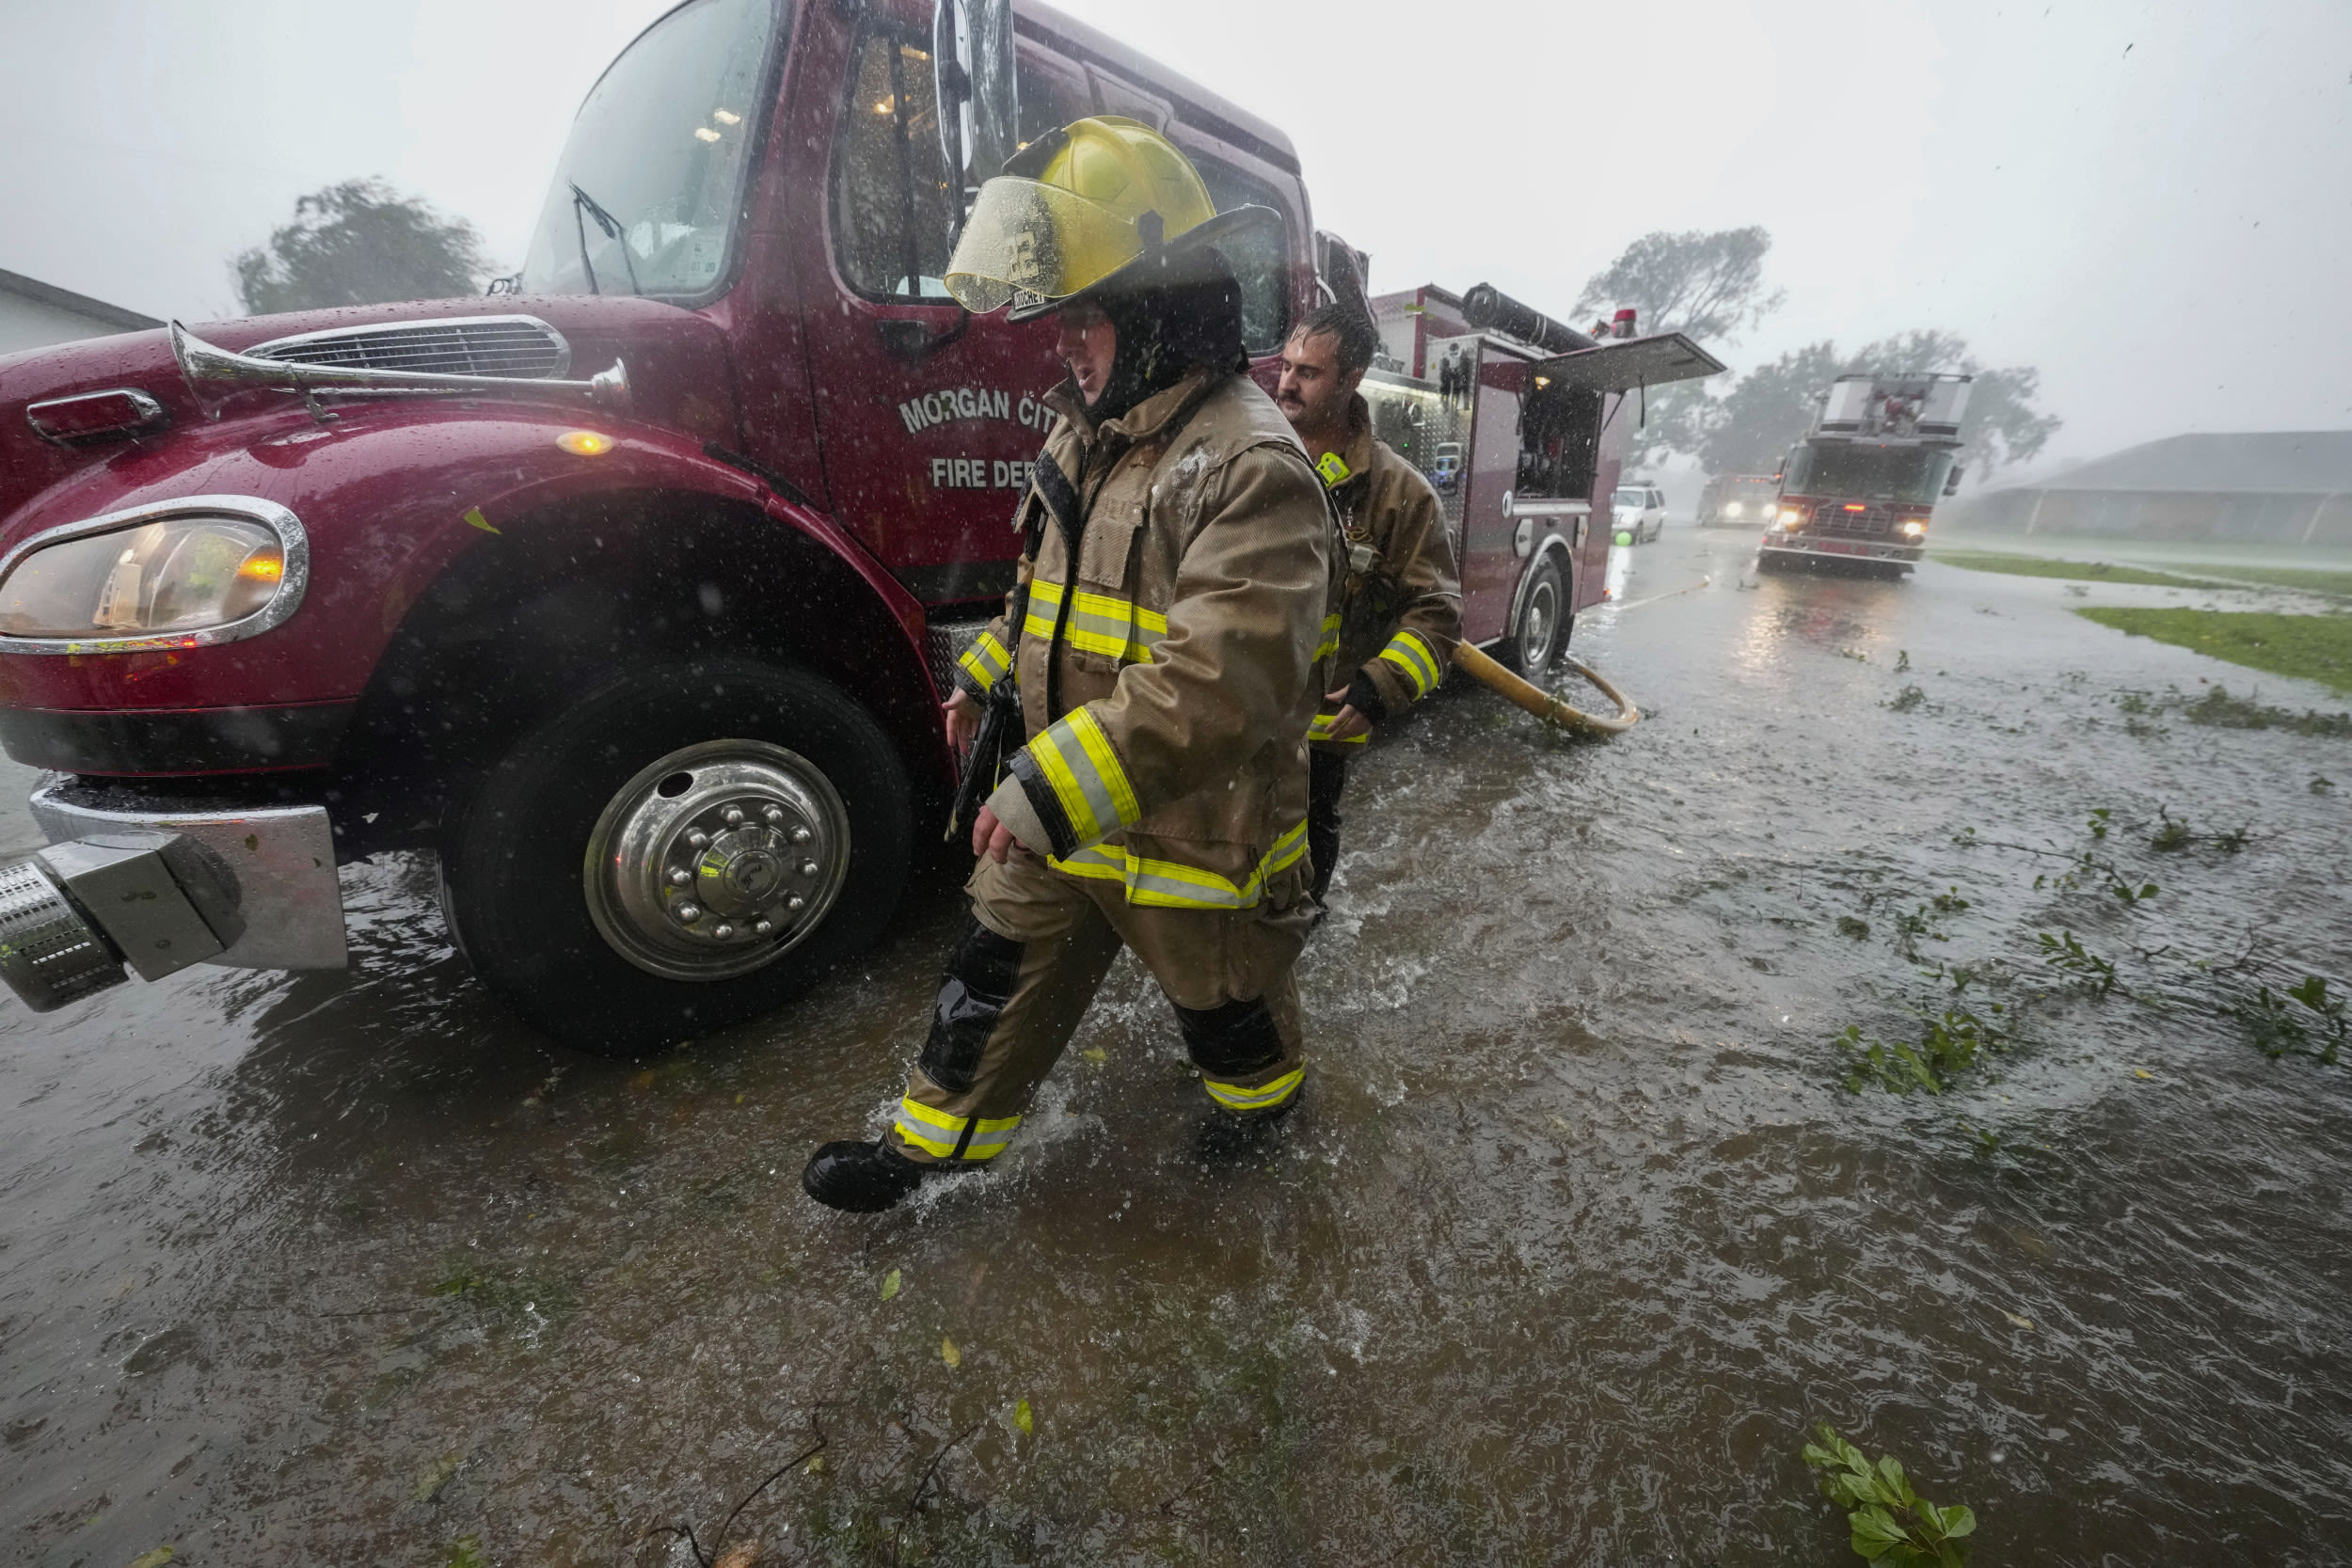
928, 417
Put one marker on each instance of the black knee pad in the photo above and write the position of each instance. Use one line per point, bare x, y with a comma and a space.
978, 983
1234, 1040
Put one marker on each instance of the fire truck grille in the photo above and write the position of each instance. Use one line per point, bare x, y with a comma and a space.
522, 346
1836, 523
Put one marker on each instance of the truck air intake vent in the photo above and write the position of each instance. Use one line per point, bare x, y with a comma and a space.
521, 347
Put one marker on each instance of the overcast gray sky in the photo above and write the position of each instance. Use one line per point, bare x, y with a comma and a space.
2150, 204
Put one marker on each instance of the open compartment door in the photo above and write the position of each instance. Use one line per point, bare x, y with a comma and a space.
1621, 367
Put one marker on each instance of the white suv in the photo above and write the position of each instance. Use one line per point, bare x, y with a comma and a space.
1639, 510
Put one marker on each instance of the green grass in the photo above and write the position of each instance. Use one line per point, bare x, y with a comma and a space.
2285, 577
2309, 647
2042, 566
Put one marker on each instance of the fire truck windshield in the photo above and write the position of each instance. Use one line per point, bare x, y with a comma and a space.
1911, 474
645, 197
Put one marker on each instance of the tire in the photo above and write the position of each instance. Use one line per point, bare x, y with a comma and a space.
1540, 632
557, 877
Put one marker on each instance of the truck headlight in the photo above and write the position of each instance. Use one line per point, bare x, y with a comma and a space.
1915, 529
1734, 509
206, 569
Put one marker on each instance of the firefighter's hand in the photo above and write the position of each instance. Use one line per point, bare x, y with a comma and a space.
1347, 723
991, 838
964, 720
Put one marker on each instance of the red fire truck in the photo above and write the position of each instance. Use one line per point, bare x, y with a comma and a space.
629, 589
1860, 488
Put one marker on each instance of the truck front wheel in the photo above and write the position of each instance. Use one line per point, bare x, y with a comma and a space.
687, 846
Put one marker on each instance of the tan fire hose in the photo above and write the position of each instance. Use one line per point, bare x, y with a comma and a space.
1542, 704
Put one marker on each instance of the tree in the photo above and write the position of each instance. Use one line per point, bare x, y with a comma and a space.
1709, 285
1752, 426
361, 242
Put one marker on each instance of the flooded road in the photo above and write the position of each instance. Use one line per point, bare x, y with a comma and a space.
1575, 1236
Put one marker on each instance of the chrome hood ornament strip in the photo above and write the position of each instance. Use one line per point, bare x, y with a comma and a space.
210, 366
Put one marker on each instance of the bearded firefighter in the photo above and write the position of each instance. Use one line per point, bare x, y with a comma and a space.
1401, 606
1169, 636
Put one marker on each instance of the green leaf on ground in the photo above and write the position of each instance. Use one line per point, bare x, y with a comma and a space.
890, 1285
1022, 1419
435, 1476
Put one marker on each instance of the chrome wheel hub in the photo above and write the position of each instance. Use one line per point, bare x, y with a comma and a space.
1541, 612
716, 859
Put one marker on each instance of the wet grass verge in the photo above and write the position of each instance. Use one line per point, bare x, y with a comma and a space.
2042, 566
2310, 579
2309, 647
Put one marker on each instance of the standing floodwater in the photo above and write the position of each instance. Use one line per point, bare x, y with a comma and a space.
1574, 1238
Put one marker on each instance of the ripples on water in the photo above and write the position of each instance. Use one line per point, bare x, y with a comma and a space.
1571, 1241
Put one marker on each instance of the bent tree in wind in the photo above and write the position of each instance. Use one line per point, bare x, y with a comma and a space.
1710, 284
361, 242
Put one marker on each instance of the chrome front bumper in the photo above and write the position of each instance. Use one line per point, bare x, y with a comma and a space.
280, 859
1851, 550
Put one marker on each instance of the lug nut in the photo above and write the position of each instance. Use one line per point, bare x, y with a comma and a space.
699, 839
796, 903
682, 879
722, 930
808, 868
763, 928
775, 815
735, 816
688, 914
801, 835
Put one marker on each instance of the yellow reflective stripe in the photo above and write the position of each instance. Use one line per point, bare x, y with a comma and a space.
984, 660
989, 1137
932, 1131
1330, 642
1408, 653
1234, 1098
937, 1132
1077, 758
1321, 730
1166, 884
1099, 623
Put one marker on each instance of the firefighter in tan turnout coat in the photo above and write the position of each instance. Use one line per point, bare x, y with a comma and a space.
1401, 609
1178, 581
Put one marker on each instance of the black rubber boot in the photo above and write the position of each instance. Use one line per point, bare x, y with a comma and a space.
859, 1178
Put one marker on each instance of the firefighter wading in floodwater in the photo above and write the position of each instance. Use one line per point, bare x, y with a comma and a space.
1400, 609
1179, 565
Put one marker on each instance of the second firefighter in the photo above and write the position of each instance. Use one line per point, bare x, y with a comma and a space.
1401, 611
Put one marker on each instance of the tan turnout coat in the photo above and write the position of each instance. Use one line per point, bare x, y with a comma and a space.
1182, 652
1400, 605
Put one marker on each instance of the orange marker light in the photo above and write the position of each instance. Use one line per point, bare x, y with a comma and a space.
264, 568
1851, 507
584, 443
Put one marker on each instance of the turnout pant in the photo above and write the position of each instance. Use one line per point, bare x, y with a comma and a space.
1032, 955
1326, 780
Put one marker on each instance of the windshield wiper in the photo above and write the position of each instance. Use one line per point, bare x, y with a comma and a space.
582, 201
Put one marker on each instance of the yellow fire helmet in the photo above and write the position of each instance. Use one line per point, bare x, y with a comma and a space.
1077, 208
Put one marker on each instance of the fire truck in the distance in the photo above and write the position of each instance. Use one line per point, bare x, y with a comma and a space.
630, 591
1862, 485
1738, 500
